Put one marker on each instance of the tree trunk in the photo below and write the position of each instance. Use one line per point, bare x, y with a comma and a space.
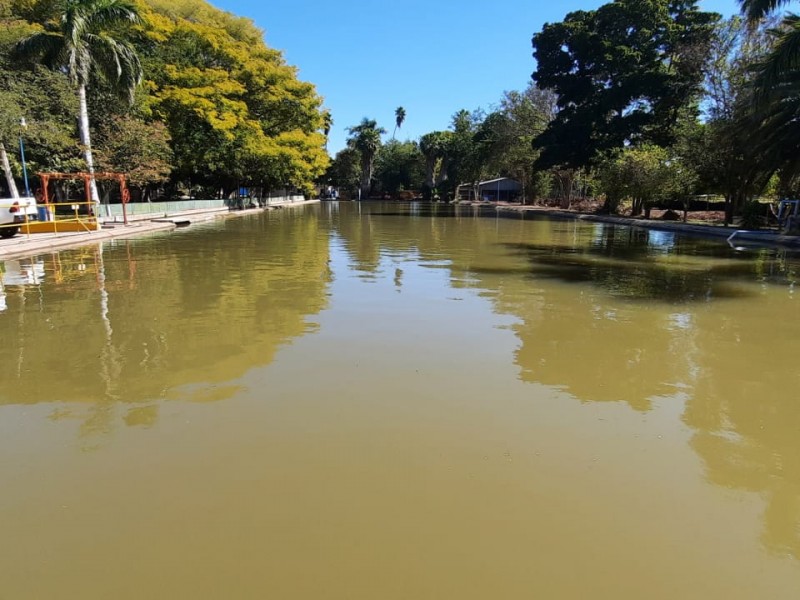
728, 209
87, 145
12, 185
430, 167
565, 180
739, 200
443, 171
366, 177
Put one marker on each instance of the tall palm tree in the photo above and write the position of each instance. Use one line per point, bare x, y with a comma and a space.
327, 123
366, 138
399, 119
83, 41
434, 146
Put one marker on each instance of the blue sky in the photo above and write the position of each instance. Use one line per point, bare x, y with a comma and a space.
432, 57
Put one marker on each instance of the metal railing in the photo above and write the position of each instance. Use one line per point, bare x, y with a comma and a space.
62, 214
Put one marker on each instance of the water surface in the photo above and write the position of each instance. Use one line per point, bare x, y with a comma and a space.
400, 401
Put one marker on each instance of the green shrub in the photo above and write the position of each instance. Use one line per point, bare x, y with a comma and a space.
752, 215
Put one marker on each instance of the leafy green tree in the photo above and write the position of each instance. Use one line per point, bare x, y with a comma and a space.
505, 138
622, 73
344, 172
236, 112
366, 138
733, 151
434, 147
399, 119
46, 101
644, 175
399, 166
82, 41
137, 148
460, 157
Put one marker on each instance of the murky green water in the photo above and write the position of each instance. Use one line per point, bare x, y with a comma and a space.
393, 401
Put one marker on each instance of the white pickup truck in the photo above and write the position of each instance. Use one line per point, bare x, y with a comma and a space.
14, 211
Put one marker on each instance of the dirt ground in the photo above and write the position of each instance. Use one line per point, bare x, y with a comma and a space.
701, 217
711, 217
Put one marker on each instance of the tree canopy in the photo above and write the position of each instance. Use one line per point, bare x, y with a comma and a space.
366, 139
621, 74
228, 108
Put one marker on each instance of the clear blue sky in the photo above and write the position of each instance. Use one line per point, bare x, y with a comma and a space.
432, 57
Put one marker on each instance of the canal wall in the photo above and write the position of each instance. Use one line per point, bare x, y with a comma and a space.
733, 235
164, 221
138, 210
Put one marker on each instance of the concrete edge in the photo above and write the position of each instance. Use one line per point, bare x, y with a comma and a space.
22, 246
707, 231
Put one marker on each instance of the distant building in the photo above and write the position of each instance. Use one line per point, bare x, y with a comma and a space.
503, 189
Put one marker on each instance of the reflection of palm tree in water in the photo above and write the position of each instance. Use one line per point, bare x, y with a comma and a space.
135, 350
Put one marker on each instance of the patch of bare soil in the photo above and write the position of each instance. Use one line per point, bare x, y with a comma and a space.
711, 217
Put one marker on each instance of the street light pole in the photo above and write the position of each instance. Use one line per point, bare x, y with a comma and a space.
24, 125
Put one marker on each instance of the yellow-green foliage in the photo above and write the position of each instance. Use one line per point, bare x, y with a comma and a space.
235, 112
235, 109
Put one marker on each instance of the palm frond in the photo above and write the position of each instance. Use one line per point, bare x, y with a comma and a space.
785, 57
45, 46
117, 61
758, 9
109, 13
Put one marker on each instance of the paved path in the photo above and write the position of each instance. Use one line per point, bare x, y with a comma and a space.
22, 245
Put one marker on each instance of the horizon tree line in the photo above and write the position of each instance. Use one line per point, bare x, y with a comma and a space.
710, 103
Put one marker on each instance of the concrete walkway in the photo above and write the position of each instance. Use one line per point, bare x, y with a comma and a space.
22, 245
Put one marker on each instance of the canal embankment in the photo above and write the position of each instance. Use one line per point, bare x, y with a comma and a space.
734, 235
113, 227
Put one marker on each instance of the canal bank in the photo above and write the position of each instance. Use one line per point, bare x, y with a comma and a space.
23, 245
733, 235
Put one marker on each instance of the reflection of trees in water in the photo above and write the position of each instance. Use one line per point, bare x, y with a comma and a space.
434, 232
624, 264
735, 361
647, 319
600, 352
196, 307
745, 411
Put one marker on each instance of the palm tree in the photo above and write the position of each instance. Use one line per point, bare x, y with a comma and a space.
12, 185
434, 146
758, 9
366, 138
327, 123
79, 44
399, 119
785, 56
